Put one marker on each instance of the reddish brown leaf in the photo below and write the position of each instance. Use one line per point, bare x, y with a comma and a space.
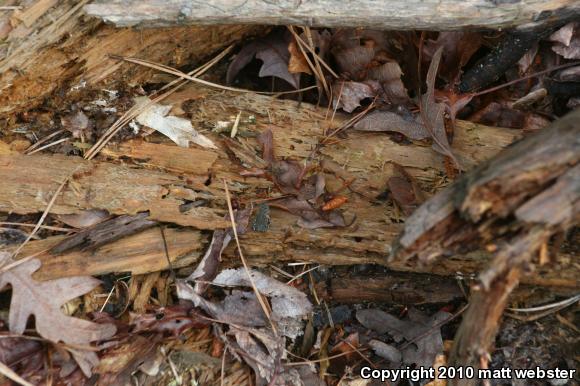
432, 112
297, 62
266, 139
207, 268
405, 190
401, 122
13, 350
310, 218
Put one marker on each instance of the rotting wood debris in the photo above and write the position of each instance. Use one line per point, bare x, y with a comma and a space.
259, 205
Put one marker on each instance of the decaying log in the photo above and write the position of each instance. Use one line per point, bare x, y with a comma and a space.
138, 254
476, 334
163, 186
497, 189
104, 233
394, 14
29, 182
516, 200
413, 288
392, 288
50, 46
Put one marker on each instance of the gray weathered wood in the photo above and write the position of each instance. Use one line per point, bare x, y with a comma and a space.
393, 14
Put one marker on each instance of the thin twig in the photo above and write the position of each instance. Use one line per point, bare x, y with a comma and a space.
315, 67
9, 373
265, 308
324, 359
49, 145
504, 85
196, 79
44, 214
51, 228
223, 370
166, 249
43, 140
317, 56
302, 274
565, 302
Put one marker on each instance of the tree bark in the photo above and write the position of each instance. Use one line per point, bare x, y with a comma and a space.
386, 15
50, 50
149, 177
514, 202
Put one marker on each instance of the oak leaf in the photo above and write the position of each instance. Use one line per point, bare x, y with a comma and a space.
273, 52
44, 300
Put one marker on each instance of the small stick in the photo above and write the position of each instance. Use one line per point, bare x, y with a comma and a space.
49, 145
44, 214
265, 307
41, 141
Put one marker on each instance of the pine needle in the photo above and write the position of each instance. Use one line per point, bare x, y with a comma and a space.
263, 304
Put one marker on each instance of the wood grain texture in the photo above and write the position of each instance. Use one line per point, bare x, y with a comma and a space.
394, 14
138, 254
50, 46
362, 157
30, 181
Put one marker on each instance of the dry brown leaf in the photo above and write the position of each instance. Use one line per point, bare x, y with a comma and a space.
432, 113
297, 62
287, 301
458, 48
44, 300
207, 268
567, 41
348, 95
401, 122
405, 190
423, 350
564, 35
273, 52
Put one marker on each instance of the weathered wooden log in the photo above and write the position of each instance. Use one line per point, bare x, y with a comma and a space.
393, 15
48, 46
501, 187
163, 186
105, 233
517, 201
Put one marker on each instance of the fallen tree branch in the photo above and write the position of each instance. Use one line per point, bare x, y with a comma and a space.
394, 15
517, 201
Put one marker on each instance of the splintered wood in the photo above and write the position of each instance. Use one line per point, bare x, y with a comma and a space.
47, 48
517, 200
165, 180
